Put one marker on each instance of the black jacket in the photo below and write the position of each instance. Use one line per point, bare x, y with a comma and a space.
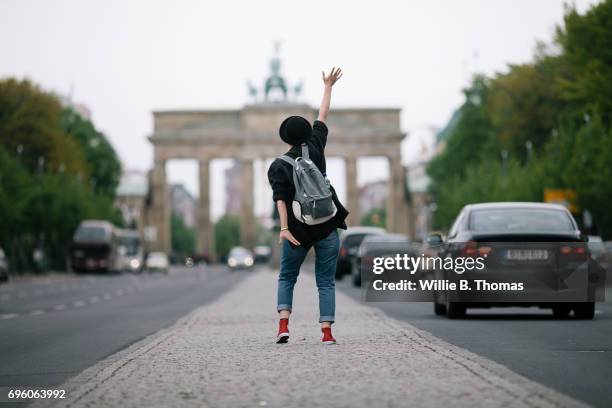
280, 176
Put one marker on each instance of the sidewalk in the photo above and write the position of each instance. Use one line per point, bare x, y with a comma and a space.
223, 355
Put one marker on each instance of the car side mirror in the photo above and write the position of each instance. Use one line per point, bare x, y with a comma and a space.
435, 239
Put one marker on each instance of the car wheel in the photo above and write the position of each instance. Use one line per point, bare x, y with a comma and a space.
561, 311
455, 310
439, 309
584, 311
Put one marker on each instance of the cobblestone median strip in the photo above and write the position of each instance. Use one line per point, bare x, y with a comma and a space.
223, 355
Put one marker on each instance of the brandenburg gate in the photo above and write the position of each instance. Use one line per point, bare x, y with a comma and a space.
252, 133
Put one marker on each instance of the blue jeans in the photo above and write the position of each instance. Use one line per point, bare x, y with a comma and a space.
326, 254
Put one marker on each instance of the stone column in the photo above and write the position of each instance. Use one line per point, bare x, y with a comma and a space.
160, 209
247, 217
352, 191
205, 229
398, 216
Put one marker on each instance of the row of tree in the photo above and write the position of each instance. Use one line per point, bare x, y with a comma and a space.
56, 169
542, 125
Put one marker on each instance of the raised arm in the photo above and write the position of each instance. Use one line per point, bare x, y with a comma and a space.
328, 81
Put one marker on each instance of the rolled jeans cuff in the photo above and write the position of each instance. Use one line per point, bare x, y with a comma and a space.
329, 319
283, 307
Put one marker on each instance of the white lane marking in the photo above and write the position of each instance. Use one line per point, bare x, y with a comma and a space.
37, 312
8, 316
94, 299
107, 296
78, 303
59, 307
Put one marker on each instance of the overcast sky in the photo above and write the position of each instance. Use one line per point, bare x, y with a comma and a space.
124, 59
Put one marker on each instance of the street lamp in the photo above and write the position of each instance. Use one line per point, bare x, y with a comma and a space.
41, 164
529, 147
504, 157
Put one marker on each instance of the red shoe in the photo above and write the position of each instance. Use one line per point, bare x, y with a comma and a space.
327, 336
283, 331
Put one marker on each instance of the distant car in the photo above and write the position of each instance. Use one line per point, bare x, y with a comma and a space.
4, 274
157, 262
129, 251
262, 253
534, 241
349, 244
94, 247
240, 258
597, 247
379, 245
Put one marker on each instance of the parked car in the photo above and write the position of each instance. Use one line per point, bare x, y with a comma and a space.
262, 253
533, 241
157, 262
129, 251
379, 246
94, 247
349, 244
240, 258
597, 247
4, 267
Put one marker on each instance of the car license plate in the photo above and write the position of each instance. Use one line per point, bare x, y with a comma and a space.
527, 254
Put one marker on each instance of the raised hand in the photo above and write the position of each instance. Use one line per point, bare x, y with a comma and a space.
334, 75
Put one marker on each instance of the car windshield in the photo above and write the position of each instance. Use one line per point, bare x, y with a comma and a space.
354, 240
91, 234
131, 244
520, 220
240, 252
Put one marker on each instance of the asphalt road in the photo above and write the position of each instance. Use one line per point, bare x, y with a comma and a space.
570, 356
53, 328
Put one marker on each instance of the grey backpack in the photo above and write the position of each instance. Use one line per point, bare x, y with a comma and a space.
313, 203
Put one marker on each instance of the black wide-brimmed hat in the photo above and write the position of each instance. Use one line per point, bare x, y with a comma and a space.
295, 130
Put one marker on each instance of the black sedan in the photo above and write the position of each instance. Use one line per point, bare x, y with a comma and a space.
537, 247
350, 240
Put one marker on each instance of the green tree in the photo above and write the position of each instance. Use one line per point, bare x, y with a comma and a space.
105, 167
183, 237
524, 106
45, 186
227, 234
589, 172
585, 42
545, 124
30, 129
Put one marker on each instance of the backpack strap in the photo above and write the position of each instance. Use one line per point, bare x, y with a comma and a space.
305, 151
288, 159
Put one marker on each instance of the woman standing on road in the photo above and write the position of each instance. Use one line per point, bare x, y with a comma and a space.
297, 236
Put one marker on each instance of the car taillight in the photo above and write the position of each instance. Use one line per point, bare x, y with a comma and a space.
578, 251
343, 251
472, 250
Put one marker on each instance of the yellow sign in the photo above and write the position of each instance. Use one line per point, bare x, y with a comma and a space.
565, 197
